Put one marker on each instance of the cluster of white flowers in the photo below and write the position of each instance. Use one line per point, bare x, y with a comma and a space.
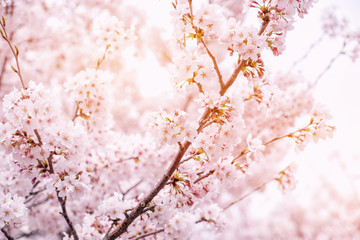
12, 210
171, 128
280, 15
115, 207
5, 3
318, 128
43, 142
244, 41
254, 147
113, 33
192, 68
180, 224
91, 91
32, 129
72, 185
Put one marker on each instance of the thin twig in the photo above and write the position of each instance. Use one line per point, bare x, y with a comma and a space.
147, 234
272, 140
27, 234
216, 67
204, 176
62, 202
64, 213
213, 59
327, 68
38, 136
76, 111
99, 62
14, 52
111, 227
246, 195
188, 158
311, 47
2, 72
39, 203
131, 188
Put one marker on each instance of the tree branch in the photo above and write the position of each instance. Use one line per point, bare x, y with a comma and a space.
148, 234
232, 78
7, 235
131, 188
216, 67
2, 72
241, 65
138, 210
14, 52
62, 202
64, 213
204, 176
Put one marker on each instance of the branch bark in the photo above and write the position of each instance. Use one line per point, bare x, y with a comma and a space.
7, 235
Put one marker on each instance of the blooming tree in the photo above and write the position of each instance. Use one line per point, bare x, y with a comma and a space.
86, 156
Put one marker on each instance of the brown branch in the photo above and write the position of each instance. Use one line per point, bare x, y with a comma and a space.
131, 188
264, 25
241, 65
148, 234
76, 111
99, 62
199, 87
204, 176
64, 213
138, 210
7, 235
27, 235
188, 158
213, 59
272, 140
232, 78
2, 72
111, 227
62, 202
39, 203
38, 136
51, 167
216, 67
14, 52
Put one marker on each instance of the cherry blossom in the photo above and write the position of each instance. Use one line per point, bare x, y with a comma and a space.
87, 156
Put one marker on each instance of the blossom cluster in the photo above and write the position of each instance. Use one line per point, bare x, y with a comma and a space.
193, 68
202, 22
90, 90
318, 128
12, 210
172, 128
244, 41
113, 32
280, 15
41, 141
